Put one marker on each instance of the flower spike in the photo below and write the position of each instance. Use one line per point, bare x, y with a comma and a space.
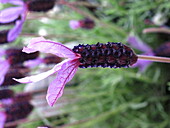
113, 55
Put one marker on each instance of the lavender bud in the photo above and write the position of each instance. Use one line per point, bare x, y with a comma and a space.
113, 55
18, 110
4, 36
6, 93
21, 97
87, 23
40, 5
163, 50
14, 72
52, 59
16, 56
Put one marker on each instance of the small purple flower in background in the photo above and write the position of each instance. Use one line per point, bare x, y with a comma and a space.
17, 14
136, 43
12, 65
113, 55
85, 23
50, 59
74, 24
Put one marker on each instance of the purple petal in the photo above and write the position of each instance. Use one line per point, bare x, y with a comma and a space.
13, 33
40, 44
33, 63
4, 66
2, 119
36, 78
74, 24
2, 52
15, 2
7, 101
138, 44
66, 73
142, 65
10, 14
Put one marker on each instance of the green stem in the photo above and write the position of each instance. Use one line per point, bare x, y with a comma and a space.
154, 58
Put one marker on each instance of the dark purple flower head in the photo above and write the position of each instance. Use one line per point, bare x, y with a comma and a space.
4, 36
163, 50
50, 59
16, 56
21, 97
40, 5
6, 93
14, 71
112, 55
86, 24
18, 110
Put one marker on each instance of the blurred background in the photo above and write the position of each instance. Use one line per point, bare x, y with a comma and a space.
95, 97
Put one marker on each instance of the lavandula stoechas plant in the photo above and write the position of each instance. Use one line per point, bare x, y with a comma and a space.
113, 55
17, 15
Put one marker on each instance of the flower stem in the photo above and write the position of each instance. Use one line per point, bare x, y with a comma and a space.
155, 58
158, 30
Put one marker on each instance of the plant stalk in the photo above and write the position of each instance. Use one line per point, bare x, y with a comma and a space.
154, 58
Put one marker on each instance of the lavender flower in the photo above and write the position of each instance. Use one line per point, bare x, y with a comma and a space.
114, 55
85, 23
136, 43
10, 15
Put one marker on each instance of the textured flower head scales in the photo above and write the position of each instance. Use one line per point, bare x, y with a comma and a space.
11, 14
65, 69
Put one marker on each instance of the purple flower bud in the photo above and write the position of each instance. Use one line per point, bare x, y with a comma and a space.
40, 5
16, 56
4, 36
15, 71
52, 59
163, 50
21, 97
6, 93
85, 23
18, 110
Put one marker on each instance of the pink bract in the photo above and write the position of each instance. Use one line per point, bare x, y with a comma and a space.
66, 69
74, 24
